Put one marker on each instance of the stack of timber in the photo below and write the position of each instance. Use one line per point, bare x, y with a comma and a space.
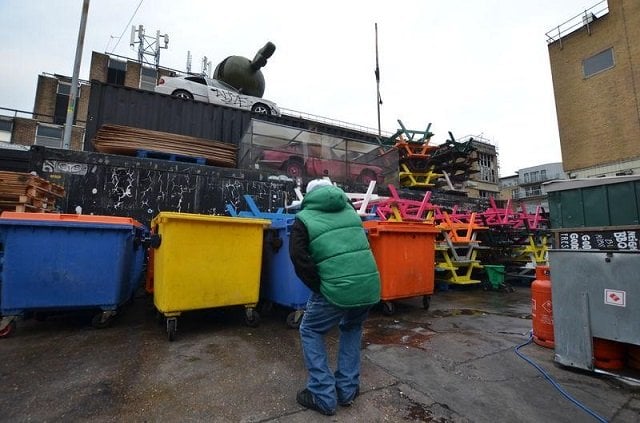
24, 192
127, 140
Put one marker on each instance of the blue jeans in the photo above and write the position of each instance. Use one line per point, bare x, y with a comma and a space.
320, 317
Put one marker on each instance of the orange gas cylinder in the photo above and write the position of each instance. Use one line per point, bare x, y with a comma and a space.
609, 355
541, 308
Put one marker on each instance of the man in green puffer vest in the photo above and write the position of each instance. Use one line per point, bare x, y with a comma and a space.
331, 255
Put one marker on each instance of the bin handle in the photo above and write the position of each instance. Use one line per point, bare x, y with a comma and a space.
152, 241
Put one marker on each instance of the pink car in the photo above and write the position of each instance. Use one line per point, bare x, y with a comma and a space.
293, 161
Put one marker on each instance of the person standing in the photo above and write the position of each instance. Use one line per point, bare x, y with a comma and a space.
331, 255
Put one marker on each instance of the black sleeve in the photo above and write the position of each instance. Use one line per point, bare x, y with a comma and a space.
303, 264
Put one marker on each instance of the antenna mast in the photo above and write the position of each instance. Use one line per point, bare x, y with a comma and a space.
377, 72
148, 45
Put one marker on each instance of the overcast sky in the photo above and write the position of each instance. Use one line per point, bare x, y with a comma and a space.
470, 67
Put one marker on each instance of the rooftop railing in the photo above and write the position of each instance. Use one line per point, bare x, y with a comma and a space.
581, 20
334, 122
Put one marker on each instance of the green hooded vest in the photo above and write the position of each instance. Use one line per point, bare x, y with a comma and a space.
339, 247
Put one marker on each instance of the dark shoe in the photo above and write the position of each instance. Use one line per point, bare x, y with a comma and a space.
305, 399
348, 403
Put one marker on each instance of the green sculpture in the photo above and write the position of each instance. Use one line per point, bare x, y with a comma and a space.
244, 74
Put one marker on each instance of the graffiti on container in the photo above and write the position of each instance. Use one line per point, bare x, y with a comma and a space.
599, 240
55, 166
121, 187
626, 240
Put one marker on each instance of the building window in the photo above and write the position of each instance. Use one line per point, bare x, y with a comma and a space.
49, 135
484, 160
116, 72
487, 171
62, 103
533, 191
484, 194
148, 78
64, 88
543, 175
6, 127
598, 63
515, 194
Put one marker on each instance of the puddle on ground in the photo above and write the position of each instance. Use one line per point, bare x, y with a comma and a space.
420, 413
394, 332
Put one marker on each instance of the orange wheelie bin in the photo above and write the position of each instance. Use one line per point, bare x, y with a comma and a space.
405, 255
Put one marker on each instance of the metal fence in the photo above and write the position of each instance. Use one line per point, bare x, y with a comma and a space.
582, 20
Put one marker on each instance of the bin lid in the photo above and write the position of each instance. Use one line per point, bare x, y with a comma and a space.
70, 218
277, 220
386, 226
164, 217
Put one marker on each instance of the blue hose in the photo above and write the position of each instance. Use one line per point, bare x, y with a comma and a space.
555, 384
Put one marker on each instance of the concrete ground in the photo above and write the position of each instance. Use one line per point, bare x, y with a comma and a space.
455, 362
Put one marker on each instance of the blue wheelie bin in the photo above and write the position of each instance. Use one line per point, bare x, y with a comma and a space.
280, 284
54, 262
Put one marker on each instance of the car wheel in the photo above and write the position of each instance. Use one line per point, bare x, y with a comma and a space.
367, 176
294, 168
182, 94
260, 108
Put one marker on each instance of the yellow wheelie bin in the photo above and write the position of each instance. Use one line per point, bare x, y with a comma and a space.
203, 261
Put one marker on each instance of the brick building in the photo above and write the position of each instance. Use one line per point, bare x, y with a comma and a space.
595, 65
45, 125
484, 174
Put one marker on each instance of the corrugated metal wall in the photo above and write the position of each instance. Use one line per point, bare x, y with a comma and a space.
14, 160
148, 110
120, 105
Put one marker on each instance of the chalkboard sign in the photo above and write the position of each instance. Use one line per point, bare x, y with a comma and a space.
622, 239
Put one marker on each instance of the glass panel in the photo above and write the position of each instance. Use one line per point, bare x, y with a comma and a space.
117, 65
598, 63
64, 88
49, 142
116, 72
5, 125
49, 131
298, 153
146, 71
148, 79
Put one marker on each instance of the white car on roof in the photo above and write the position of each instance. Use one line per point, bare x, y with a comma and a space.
201, 88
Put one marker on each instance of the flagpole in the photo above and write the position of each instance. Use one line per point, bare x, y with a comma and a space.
377, 72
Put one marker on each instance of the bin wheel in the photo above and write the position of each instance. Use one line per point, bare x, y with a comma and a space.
388, 308
251, 317
426, 302
8, 330
103, 319
294, 319
172, 325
